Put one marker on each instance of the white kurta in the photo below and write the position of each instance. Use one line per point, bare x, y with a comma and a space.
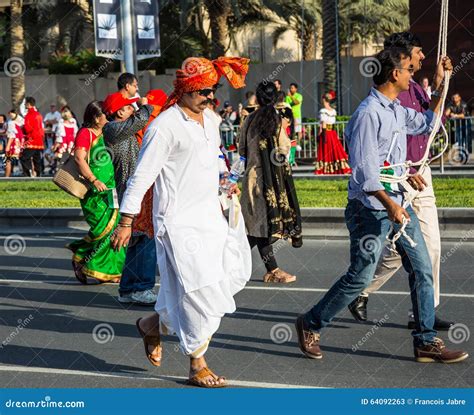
202, 261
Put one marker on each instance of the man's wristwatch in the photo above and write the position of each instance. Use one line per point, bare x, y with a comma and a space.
436, 93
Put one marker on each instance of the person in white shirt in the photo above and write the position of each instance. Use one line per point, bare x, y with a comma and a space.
203, 261
15, 140
425, 84
51, 120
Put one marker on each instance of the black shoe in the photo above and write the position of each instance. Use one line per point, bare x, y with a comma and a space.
439, 325
358, 308
442, 325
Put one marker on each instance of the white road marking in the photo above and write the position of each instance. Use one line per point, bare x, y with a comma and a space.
242, 383
248, 287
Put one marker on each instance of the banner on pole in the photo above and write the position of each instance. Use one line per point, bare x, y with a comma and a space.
108, 29
147, 29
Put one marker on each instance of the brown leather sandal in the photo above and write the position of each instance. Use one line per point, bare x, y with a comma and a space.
279, 276
150, 340
198, 379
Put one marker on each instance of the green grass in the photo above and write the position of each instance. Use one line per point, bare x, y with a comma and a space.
311, 193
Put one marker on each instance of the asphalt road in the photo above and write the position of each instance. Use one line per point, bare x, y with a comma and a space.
57, 333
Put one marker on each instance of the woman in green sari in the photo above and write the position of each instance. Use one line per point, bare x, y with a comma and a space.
93, 256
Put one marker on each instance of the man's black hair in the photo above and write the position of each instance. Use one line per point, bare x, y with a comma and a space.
295, 85
405, 40
125, 79
30, 100
386, 61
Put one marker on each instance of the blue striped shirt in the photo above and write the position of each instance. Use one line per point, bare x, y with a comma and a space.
378, 127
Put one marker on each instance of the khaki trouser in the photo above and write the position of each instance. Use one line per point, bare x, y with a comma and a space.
424, 205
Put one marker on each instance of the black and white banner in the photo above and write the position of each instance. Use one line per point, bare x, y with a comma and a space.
147, 29
108, 29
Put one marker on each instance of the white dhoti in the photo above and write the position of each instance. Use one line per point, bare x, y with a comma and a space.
195, 316
203, 262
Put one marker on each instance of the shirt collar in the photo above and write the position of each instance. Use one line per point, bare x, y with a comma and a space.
383, 99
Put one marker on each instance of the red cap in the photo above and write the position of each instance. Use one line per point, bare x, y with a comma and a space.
156, 97
115, 101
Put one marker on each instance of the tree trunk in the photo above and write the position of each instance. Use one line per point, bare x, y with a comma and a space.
309, 45
219, 11
16, 67
329, 44
75, 28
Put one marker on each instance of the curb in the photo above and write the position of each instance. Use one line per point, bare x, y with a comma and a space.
318, 223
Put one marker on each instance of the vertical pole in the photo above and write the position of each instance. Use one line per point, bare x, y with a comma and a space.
127, 36
302, 45
338, 62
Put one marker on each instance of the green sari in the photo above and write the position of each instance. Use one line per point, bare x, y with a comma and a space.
94, 253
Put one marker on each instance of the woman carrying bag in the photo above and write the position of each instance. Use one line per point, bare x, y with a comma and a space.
93, 256
269, 203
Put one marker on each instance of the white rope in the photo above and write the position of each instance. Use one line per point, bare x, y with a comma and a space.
425, 160
401, 232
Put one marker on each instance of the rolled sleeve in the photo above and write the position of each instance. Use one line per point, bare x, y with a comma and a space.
419, 123
363, 152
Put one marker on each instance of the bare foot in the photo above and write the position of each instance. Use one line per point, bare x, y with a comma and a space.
207, 378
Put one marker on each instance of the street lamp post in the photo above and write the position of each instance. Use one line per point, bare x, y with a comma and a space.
127, 36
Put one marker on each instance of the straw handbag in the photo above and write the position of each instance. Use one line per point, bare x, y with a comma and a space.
70, 180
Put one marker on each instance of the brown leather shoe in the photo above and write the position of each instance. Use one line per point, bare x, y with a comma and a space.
280, 276
308, 340
437, 352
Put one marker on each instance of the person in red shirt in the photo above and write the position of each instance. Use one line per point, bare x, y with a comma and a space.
34, 140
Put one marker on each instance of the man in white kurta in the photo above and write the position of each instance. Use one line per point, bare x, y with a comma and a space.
203, 262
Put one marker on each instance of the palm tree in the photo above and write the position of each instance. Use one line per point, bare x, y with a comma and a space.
219, 12
366, 21
73, 22
330, 50
360, 21
300, 16
17, 52
226, 19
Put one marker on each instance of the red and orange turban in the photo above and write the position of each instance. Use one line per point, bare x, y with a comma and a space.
201, 73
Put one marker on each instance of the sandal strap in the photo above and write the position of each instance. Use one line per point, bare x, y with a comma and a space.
203, 373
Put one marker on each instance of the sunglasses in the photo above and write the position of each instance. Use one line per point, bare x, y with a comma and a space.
206, 92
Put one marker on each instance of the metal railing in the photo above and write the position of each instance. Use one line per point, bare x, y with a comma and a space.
460, 133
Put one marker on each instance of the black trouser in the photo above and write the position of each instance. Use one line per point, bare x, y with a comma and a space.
266, 251
31, 159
